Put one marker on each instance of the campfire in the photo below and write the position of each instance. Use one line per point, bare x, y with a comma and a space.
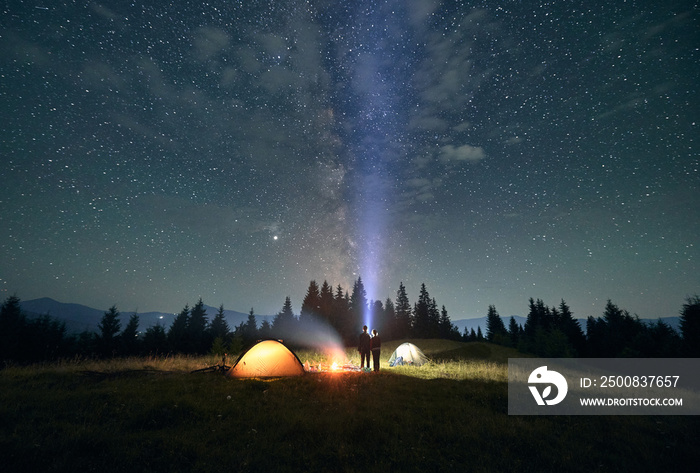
335, 367
334, 359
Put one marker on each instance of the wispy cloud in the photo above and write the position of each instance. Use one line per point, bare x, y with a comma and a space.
460, 154
419, 12
209, 41
423, 189
447, 77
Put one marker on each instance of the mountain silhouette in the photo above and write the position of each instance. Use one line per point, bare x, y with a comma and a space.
79, 318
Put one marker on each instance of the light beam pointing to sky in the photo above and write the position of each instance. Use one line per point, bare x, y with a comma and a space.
371, 148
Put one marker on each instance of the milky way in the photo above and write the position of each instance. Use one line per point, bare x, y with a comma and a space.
495, 151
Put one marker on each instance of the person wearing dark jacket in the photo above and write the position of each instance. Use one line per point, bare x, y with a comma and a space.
375, 345
363, 347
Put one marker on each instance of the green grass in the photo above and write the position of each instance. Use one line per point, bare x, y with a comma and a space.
152, 415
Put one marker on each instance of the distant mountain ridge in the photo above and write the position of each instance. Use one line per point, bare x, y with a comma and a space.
79, 318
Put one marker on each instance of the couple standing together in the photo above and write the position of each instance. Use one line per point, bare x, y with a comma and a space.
368, 345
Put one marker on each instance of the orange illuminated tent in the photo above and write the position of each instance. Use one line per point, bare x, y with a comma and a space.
267, 359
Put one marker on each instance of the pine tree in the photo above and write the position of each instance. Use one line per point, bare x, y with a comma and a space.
250, 329
377, 316
571, 329
197, 329
85, 343
434, 319
44, 339
690, 327
358, 306
390, 320
537, 318
662, 341
341, 314
178, 333
447, 330
12, 327
513, 332
155, 340
311, 305
129, 337
421, 314
403, 313
108, 329
616, 334
219, 328
265, 331
536, 327
326, 302
595, 330
621, 328
495, 328
341, 308
284, 323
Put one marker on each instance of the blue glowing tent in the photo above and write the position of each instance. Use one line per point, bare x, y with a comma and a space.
407, 354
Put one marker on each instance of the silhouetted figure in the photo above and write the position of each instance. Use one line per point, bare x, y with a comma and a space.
375, 346
363, 347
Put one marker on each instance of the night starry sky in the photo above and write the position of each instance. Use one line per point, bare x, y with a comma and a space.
157, 152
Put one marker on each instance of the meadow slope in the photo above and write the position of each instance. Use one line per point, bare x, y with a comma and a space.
154, 415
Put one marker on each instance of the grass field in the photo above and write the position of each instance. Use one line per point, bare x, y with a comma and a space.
154, 415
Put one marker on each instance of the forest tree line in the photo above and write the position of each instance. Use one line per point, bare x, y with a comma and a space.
553, 332
191, 332
548, 331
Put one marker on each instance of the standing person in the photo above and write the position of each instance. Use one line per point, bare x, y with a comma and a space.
375, 345
363, 347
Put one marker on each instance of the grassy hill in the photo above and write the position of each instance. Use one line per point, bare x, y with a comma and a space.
155, 415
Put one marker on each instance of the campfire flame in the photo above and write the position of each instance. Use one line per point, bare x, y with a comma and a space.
337, 361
